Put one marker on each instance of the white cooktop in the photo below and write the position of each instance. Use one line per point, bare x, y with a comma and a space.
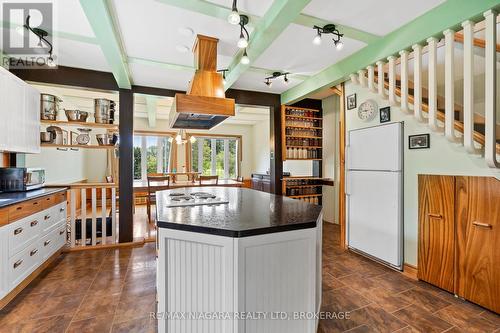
180, 199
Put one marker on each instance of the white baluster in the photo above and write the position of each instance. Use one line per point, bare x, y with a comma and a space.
362, 77
371, 78
392, 80
72, 214
433, 123
417, 82
94, 216
381, 80
449, 86
84, 216
490, 103
404, 80
103, 215
354, 78
469, 88
114, 234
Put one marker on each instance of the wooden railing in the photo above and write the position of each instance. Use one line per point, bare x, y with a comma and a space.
92, 214
444, 121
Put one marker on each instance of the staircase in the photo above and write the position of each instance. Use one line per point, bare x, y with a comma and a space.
456, 122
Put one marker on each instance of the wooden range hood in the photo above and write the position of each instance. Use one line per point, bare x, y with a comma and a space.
205, 104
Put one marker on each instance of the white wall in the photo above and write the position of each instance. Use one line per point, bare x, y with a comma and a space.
261, 152
442, 158
61, 167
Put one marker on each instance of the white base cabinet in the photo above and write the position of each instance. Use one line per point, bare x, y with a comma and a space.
27, 243
19, 115
250, 284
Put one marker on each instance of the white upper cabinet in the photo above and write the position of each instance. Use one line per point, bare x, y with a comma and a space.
20, 114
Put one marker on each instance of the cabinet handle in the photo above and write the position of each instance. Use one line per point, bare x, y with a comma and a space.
61, 232
19, 208
34, 223
62, 209
33, 252
435, 216
484, 225
35, 203
62, 149
47, 242
48, 199
47, 217
18, 231
18, 263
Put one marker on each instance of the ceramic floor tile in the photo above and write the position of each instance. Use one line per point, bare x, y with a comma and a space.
100, 324
421, 319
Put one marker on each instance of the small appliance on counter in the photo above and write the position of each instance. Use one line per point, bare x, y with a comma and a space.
21, 179
49, 106
104, 111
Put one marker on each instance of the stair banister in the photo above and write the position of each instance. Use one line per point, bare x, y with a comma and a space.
362, 77
468, 27
392, 80
417, 82
354, 78
490, 103
433, 122
381, 79
449, 86
404, 81
371, 78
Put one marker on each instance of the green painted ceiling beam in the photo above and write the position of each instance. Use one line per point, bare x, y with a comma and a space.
101, 21
151, 109
270, 26
450, 14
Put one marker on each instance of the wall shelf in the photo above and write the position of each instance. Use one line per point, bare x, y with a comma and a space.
50, 145
79, 124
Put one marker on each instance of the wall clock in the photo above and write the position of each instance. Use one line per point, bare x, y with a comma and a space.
367, 110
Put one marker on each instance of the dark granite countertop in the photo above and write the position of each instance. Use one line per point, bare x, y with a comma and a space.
248, 213
11, 198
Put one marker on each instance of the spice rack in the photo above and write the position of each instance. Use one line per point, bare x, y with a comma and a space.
301, 133
303, 188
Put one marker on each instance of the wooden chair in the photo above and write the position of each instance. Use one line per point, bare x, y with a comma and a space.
151, 197
209, 180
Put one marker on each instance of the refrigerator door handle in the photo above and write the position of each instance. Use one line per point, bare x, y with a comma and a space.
347, 184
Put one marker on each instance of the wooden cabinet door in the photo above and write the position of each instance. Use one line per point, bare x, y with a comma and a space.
436, 240
478, 240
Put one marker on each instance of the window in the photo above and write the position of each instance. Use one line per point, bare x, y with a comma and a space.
216, 156
151, 155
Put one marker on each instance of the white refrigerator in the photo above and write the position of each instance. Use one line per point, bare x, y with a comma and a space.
374, 192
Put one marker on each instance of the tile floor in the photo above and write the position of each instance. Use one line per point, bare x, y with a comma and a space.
114, 291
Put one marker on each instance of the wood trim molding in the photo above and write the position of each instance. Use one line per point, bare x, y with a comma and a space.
410, 271
341, 181
154, 133
20, 287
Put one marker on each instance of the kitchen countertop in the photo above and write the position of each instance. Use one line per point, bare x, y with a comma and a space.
248, 213
11, 198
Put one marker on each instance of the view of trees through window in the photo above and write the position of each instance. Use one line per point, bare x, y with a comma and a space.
215, 156
151, 155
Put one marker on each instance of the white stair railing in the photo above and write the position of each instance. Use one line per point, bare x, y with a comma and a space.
362, 77
404, 80
432, 74
449, 86
98, 215
381, 80
469, 145
417, 82
371, 78
490, 152
392, 80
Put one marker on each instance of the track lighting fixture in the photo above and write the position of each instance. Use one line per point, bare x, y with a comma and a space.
245, 60
234, 16
328, 29
268, 80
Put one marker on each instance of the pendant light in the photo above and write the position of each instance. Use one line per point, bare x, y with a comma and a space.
234, 16
245, 60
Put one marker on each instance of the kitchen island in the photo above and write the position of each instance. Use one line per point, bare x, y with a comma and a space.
237, 260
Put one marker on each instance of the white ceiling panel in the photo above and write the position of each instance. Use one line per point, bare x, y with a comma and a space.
71, 18
153, 30
81, 55
378, 17
252, 7
154, 76
255, 81
293, 51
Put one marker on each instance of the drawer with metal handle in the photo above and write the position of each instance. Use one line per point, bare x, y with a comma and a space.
52, 217
22, 264
50, 243
23, 232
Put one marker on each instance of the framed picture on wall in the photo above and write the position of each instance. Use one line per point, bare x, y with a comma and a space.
385, 114
351, 102
419, 141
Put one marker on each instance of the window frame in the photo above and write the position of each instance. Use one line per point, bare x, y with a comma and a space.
172, 158
239, 148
